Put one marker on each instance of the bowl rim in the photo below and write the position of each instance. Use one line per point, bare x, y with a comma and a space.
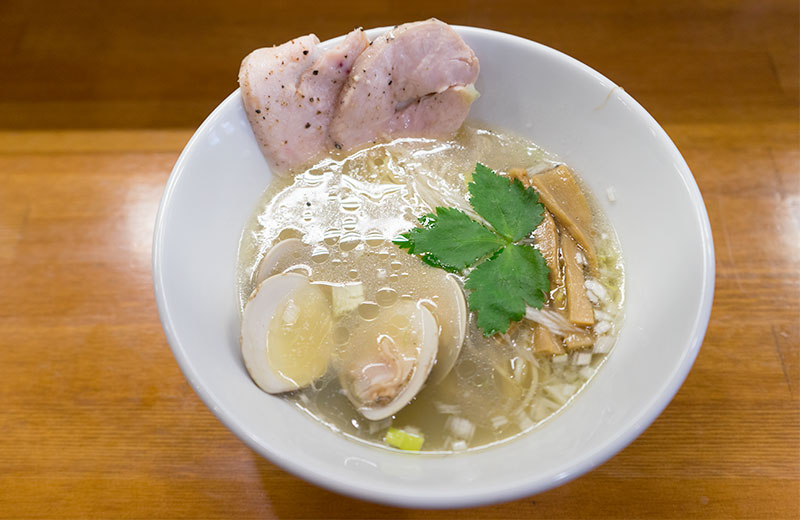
595, 457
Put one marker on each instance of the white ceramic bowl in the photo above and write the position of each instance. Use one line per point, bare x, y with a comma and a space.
568, 109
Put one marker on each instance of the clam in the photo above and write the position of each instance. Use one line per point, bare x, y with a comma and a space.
286, 339
451, 314
389, 359
285, 252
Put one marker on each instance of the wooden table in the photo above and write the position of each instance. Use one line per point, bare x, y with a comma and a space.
96, 102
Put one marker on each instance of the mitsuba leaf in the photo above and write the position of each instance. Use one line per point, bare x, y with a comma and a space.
450, 240
514, 275
502, 285
512, 209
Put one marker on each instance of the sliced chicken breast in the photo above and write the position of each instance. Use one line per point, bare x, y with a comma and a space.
290, 92
416, 80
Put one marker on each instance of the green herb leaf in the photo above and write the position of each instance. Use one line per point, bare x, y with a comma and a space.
513, 210
514, 275
450, 239
502, 285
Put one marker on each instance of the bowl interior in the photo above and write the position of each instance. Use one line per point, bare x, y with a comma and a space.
565, 107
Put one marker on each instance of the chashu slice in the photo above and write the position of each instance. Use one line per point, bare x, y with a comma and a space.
415, 80
289, 94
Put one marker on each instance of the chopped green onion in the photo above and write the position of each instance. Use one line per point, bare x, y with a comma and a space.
403, 440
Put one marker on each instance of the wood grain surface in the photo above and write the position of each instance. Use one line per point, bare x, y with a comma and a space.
96, 101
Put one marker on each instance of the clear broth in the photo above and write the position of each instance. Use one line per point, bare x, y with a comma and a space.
347, 210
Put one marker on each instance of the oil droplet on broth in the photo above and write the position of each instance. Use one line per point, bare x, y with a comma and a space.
368, 310
330, 236
375, 238
400, 321
350, 223
320, 255
386, 297
466, 369
341, 335
349, 242
350, 203
290, 233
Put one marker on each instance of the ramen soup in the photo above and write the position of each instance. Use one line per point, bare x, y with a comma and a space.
379, 346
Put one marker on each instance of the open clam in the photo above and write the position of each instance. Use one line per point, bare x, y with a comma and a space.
281, 255
286, 340
389, 359
450, 310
